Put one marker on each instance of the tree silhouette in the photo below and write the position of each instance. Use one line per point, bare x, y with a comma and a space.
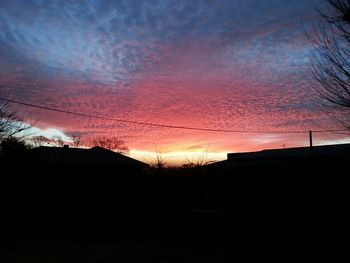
197, 160
12, 150
330, 62
11, 121
159, 161
76, 139
110, 143
57, 139
38, 141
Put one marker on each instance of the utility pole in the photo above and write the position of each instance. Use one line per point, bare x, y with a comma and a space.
310, 139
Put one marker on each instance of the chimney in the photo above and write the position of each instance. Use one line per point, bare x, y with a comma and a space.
66, 146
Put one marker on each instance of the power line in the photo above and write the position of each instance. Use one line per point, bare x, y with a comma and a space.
156, 124
325, 130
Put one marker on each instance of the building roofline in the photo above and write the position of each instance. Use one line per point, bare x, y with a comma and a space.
293, 151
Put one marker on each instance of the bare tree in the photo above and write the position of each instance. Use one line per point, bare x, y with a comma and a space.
38, 141
330, 62
111, 143
76, 140
11, 121
197, 160
159, 161
58, 141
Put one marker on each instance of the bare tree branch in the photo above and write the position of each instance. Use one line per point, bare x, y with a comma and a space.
58, 141
110, 143
76, 140
11, 121
38, 141
197, 160
330, 61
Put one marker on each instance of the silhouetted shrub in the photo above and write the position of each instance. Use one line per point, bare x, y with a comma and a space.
12, 151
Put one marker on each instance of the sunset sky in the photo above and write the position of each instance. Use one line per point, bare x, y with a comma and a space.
235, 65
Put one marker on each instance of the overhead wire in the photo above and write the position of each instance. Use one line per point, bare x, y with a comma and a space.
152, 124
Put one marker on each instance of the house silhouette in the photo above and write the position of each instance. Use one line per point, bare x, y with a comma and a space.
75, 189
96, 156
301, 190
325, 154
336, 150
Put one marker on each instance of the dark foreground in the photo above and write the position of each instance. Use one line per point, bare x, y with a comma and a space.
135, 250
287, 211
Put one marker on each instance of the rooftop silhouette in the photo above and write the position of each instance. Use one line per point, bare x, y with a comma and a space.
81, 156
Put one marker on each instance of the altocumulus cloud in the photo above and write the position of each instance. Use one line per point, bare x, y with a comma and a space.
224, 64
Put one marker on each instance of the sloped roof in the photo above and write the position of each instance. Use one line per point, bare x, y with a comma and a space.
337, 149
80, 156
